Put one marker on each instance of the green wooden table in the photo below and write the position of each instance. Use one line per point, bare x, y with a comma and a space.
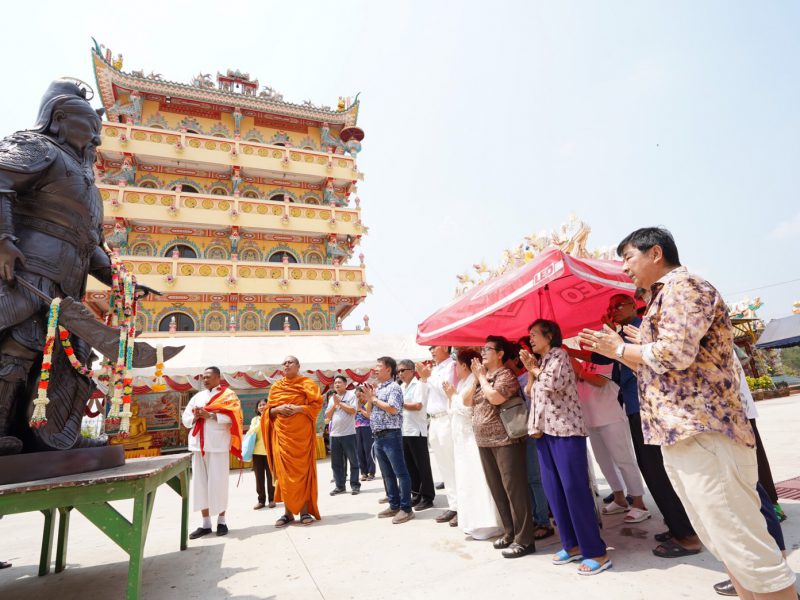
90, 493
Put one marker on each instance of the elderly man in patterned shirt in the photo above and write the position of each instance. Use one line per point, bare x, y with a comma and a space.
690, 406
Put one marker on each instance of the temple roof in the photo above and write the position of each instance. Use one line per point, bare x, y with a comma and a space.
110, 80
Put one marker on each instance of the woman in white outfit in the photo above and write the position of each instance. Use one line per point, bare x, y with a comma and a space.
611, 439
477, 514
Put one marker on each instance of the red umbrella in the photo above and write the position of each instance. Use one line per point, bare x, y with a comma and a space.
574, 292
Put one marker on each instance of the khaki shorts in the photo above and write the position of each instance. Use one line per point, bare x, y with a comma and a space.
715, 479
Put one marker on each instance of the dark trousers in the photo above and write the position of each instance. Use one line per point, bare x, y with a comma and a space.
541, 510
651, 464
418, 462
565, 476
507, 477
389, 452
343, 451
261, 469
764, 472
768, 510
364, 450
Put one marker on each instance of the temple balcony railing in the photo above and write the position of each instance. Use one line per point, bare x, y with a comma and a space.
193, 147
163, 206
194, 275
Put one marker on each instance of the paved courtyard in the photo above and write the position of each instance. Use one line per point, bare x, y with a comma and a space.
351, 554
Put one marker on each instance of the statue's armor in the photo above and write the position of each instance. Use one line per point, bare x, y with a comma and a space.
57, 219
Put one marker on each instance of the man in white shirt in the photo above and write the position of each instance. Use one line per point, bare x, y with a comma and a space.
440, 433
341, 414
415, 438
209, 418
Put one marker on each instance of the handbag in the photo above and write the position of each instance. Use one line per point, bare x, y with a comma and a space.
514, 416
248, 445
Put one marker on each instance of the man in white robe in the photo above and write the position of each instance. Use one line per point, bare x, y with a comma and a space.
440, 433
210, 449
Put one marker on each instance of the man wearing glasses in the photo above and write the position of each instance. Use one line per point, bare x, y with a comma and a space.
289, 435
415, 438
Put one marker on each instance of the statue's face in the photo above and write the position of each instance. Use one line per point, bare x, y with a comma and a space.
80, 129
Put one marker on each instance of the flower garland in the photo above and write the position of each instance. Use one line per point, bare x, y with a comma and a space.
123, 305
158, 381
39, 417
70, 352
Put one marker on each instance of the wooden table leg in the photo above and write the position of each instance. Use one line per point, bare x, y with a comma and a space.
63, 535
180, 483
47, 541
142, 509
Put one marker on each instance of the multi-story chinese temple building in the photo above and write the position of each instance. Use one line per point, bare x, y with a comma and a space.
239, 206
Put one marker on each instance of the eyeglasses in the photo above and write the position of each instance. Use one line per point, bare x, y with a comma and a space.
620, 305
486, 349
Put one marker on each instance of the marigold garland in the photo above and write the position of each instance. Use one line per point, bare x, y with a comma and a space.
158, 380
70, 352
39, 417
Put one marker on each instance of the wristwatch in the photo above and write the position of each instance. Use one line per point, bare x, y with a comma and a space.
620, 352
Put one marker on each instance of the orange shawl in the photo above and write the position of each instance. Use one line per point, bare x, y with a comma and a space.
291, 442
227, 403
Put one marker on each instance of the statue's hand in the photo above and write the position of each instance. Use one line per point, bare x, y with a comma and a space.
9, 255
143, 290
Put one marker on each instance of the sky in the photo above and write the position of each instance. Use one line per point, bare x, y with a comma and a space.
486, 122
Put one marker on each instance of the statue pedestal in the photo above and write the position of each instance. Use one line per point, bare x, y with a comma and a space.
58, 463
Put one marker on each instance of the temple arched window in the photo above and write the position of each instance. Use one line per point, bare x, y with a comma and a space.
184, 251
150, 185
250, 194
277, 321
277, 257
281, 198
187, 189
219, 191
183, 322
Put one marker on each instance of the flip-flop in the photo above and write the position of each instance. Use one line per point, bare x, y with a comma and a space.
4, 565
637, 515
283, 521
541, 533
563, 557
595, 566
672, 549
612, 508
306, 519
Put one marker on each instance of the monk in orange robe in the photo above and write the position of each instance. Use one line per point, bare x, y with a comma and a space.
289, 436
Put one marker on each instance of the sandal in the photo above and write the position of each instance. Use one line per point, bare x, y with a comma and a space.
594, 566
672, 549
562, 557
284, 521
637, 515
543, 532
663, 537
306, 519
612, 508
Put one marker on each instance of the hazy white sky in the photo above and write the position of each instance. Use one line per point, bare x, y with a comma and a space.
488, 121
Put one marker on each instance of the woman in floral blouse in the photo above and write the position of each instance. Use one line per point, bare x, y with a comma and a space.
556, 421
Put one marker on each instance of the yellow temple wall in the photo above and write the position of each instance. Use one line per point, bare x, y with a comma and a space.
152, 117
248, 316
208, 185
157, 244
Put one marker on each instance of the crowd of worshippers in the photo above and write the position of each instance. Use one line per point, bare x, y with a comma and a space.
658, 391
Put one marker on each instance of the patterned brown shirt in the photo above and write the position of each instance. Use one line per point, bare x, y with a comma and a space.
688, 383
555, 409
486, 423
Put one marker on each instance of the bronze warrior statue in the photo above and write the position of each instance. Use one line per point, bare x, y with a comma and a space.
51, 238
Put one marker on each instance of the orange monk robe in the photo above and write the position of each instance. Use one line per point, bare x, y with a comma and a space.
291, 441
226, 402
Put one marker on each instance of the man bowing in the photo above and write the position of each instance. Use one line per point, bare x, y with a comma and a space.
214, 419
